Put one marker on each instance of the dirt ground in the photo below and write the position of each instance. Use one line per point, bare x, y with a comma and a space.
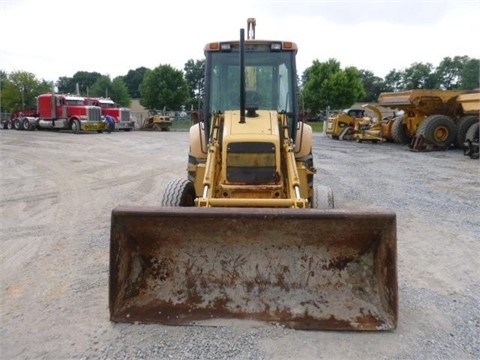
57, 193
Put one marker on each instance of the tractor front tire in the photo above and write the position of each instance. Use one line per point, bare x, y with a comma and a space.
322, 197
179, 192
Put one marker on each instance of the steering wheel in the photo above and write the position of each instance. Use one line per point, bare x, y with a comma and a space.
252, 99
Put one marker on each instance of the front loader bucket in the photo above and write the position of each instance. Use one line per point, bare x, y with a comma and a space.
300, 268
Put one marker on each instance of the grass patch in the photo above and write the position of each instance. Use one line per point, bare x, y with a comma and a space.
184, 125
317, 126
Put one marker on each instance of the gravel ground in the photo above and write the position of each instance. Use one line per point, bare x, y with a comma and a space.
57, 192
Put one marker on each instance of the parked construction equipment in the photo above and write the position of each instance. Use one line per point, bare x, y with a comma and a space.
353, 124
248, 233
340, 126
433, 119
157, 122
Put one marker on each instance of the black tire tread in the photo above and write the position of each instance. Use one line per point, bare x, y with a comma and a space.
322, 197
399, 132
462, 127
432, 122
179, 192
472, 133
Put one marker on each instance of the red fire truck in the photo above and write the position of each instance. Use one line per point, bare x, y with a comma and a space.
121, 115
62, 112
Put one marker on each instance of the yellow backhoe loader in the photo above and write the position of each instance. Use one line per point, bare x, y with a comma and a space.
248, 234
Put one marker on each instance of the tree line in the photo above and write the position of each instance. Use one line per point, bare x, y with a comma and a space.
322, 85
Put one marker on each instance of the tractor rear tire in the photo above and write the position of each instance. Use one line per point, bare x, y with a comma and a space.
399, 132
179, 192
440, 130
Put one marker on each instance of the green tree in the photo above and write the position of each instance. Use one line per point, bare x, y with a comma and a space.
394, 81
133, 79
162, 87
66, 85
84, 80
470, 75
449, 71
119, 92
327, 85
101, 87
195, 77
20, 89
26, 85
344, 88
3, 80
44, 87
314, 79
3, 83
115, 90
372, 84
419, 76
10, 96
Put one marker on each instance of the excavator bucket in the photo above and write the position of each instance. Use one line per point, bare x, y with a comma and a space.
300, 268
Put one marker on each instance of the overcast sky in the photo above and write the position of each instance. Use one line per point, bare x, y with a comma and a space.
55, 38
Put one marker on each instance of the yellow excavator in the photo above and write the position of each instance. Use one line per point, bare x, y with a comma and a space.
248, 234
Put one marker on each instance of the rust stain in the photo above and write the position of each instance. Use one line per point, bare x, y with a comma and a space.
14, 289
298, 269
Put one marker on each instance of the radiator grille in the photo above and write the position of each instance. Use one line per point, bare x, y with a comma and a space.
94, 113
124, 115
251, 163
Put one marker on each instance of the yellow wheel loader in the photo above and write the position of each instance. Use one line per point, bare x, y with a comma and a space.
247, 234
